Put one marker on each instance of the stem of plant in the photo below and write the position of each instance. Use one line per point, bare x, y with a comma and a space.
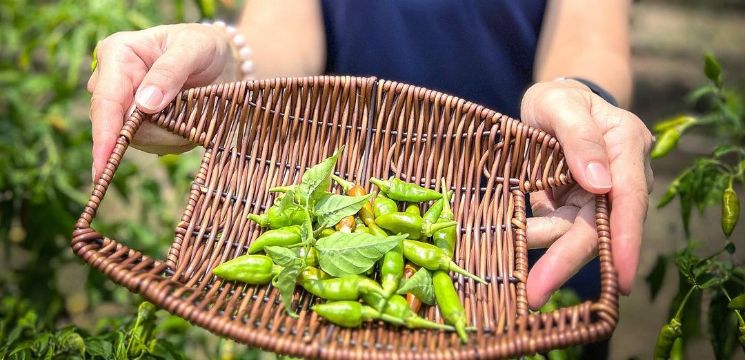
452, 266
679, 312
739, 316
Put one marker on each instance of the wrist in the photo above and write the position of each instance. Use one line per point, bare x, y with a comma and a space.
239, 62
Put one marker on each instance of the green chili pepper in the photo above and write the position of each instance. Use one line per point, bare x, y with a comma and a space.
351, 314
676, 353
433, 258
392, 270
310, 255
451, 308
285, 236
274, 218
741, 331
413, 209
730, 209
396, 306
376, 230
362, 229
414, 225
400, 190
310, 273
666, 143
326, 232
666, 338
383, 205
445, 238
250, 269
348, 287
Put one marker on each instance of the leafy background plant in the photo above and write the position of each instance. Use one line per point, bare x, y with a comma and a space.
710, 279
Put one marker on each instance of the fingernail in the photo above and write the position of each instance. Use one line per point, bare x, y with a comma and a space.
598, 175
149, 97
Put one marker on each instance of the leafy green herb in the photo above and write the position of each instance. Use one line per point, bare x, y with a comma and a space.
420, 284
331, 208
285, 283
317, 179
353, 253
738, 303
281, 256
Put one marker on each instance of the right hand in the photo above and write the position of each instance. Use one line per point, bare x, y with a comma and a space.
149, 68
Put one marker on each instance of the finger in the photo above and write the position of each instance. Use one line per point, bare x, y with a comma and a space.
112, 95
564, 258
566, 112
543, 231
92, 81
185, 59
541, 203
629, 206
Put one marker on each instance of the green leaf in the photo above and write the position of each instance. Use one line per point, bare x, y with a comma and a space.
730, 247
343, 253
712, 69
721, 326
285, 284
686, 261
317, 179
330, 209
699, 93
722, 150
738, 303
281, 256
655, 277
420, 284
97, 346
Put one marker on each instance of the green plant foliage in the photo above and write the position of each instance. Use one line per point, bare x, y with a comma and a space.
709, 181
45, 180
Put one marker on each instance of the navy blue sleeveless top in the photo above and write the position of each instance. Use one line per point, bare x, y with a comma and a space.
481, 51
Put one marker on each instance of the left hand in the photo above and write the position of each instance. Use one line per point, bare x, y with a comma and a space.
607, 151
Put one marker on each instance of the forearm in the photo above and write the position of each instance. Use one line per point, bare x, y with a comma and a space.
587, 39
286, 37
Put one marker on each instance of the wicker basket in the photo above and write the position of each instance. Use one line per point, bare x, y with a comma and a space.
261, 134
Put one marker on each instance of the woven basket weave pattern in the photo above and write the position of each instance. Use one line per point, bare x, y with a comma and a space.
262, 134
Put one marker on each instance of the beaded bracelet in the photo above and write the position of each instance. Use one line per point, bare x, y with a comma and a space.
241, 51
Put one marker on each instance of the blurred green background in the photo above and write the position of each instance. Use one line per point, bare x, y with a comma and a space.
52, 304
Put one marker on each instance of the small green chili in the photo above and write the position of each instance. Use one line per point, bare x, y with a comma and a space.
433, 258
414, 225
730, 210
451, 308
383, 205
250, 269
400, 190
445, 238
392, 270
351, 314
274, 218
396, 306
666, 338
348, 287
285, 236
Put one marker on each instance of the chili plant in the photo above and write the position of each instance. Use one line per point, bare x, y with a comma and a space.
710, 181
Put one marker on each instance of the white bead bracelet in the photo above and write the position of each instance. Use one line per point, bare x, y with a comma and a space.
241, 50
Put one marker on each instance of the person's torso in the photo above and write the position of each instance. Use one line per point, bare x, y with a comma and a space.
481, 51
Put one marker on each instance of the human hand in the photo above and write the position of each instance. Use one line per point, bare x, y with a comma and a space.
607, 150
148, 68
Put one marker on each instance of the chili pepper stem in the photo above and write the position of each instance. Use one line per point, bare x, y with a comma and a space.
379, 183
345, 185
460, 328
415, 322
429, 228
262, 220
282, 189
392, 319
452, 266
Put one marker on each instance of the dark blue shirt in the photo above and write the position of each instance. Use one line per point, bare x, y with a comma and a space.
481, 51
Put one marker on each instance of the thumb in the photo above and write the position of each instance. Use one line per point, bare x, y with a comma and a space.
567, 115
195, 62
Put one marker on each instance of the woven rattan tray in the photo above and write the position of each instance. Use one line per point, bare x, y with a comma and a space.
265, 133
